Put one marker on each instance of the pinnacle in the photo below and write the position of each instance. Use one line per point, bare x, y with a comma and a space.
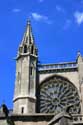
78, 53
28, 22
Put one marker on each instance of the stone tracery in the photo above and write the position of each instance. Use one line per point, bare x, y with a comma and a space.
57, 93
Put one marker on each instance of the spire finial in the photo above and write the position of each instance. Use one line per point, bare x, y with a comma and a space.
28, 22
78, 53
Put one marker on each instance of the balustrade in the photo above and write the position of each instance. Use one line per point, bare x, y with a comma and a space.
57, 66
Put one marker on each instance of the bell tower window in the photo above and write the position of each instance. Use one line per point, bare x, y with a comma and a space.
31, 71
32, 49
22, 110
25, 49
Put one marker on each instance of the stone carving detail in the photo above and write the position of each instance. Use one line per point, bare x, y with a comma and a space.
56, 94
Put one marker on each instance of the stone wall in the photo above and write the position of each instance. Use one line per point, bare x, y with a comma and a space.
32, 119
72, 76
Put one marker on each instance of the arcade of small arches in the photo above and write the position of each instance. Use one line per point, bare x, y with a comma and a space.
56, 94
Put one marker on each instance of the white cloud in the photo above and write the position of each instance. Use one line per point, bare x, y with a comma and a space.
39, 17
16, 10
78, 17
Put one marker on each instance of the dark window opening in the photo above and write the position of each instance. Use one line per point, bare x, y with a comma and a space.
25, 49
22, 110
31, 70
32, 50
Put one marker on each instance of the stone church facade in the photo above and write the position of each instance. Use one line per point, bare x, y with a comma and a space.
48, 94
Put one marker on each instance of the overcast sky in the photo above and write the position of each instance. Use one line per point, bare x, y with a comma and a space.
57, 27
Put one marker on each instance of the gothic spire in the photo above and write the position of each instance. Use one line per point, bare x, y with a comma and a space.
27, 45
28, 37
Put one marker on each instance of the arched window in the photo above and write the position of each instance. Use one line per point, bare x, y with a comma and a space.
22, 110
56, 94
25, 48
32, 49
31, 71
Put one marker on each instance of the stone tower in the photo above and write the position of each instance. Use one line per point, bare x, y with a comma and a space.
26, 68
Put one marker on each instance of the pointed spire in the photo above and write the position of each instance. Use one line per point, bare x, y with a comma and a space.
27, 45
28, 30
29, 22
78, 53
79, 57
28, 37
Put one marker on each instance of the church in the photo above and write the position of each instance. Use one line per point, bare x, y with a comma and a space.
44, 94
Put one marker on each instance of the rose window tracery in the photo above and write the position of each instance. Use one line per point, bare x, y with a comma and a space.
57, 93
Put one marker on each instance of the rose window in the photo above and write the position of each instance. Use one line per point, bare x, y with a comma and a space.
58, 93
